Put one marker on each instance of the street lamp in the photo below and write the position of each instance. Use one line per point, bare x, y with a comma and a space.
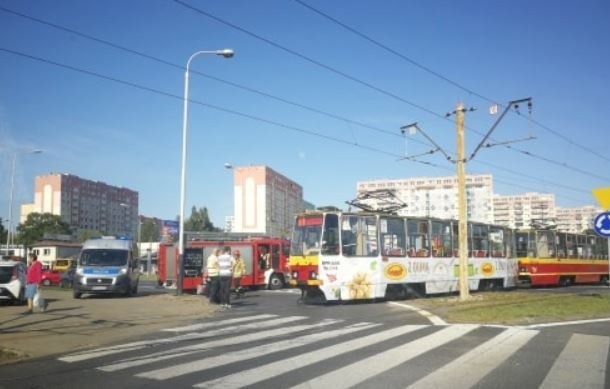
10, 201
227, 53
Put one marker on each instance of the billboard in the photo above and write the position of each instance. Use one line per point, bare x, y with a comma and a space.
169, 231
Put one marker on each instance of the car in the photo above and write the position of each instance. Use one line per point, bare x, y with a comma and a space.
67, 278
51, 277
12, 281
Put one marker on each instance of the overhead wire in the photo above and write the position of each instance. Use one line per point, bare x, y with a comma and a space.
444, 78
218, 108
252, 90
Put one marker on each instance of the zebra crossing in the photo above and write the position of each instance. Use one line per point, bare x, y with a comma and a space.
300, 352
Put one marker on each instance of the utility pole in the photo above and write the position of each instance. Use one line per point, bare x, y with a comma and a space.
462, 213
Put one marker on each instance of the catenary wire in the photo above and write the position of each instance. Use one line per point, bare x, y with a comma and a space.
252, 90
442, 77
221, 109
357, 80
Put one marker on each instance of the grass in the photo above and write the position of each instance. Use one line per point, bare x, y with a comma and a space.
519, 307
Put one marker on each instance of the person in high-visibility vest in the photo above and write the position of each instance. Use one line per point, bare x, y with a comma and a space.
212, 270
239, 268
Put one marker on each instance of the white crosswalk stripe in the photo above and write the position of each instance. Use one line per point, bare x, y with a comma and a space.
206, 363
239, 339
342, 355
485, 357
586, 354
263, 372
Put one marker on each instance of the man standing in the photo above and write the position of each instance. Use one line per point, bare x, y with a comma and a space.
238, 271
212, 272
33, 279
225, 275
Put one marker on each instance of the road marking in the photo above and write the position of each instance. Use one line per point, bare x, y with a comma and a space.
351, 375
566, 323
251, 353
428, 315
105, 351
227, 341
585, 354
200, 326
485, 357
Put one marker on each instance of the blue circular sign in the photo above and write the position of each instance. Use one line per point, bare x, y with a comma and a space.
601, 224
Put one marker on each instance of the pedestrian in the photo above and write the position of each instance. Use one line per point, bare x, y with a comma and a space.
212, 273
238, 271
33, 279
225, 274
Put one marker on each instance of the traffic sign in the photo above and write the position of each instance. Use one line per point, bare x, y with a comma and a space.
601, 224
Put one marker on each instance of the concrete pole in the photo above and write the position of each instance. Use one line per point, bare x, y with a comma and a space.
462, 214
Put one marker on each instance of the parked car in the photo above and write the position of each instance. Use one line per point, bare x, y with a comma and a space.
12, 281
51, 277
67, 278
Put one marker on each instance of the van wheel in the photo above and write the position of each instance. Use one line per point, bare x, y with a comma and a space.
76, 294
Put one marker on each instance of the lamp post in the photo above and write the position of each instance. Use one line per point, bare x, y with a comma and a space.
227, 53
9, 221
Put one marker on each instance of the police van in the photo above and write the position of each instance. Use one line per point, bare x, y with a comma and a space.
108, 265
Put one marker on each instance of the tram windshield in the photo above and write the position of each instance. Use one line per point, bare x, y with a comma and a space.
306, 235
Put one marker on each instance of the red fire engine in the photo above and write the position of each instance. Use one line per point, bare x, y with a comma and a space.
266, 260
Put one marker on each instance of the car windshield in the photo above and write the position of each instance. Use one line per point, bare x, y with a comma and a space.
6, 272
103, 257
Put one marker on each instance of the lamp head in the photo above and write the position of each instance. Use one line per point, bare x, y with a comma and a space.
227, 53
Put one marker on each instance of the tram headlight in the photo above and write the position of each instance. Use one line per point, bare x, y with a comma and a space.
313, 275
295, 275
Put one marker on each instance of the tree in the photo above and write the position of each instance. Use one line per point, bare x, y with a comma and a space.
149, 231
199, 221
3, 232
37, 224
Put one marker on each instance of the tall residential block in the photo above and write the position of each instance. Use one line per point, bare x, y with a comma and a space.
87, 205
525, 210
576, 219
265, 201
437, 196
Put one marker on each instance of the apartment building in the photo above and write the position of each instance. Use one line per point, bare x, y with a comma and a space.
525, 210
86, 205
438, 196
576, 219
265, 201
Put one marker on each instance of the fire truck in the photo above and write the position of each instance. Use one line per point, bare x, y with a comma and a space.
266, 260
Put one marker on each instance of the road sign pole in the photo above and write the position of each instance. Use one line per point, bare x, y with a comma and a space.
608, 258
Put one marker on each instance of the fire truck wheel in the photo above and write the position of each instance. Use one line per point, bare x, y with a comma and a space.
275, 282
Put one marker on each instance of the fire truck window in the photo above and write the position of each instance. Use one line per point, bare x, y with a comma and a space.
275, 256
264, 257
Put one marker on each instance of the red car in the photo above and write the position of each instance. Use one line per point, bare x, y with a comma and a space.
51, 277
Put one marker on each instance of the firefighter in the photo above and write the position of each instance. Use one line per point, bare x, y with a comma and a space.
239, 268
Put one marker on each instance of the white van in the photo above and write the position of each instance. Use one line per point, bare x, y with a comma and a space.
107, 265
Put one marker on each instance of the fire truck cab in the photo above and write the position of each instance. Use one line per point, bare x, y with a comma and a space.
266, 260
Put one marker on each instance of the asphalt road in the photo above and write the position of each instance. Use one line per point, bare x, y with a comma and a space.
269, 340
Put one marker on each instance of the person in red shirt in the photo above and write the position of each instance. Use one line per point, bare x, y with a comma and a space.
33, 279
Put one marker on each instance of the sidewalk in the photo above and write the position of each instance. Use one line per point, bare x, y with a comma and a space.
69, 325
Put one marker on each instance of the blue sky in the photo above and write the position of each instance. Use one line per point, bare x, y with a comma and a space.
357, 94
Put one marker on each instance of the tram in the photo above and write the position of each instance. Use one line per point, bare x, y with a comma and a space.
342, 256
548, 258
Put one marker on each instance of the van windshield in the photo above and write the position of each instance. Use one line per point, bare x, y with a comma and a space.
103, 257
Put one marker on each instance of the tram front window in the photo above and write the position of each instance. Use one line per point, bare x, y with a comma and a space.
306, 235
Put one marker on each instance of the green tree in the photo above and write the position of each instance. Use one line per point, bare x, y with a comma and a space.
83, 235
36, 224
149, 231
3, 231
199, 221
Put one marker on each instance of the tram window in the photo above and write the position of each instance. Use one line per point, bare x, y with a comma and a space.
545, 244
418, 238
497, 241
561, 244
330, 236
581, 242
392, 237
359, 235
571, 246
440, 238
522, 244
479, 240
